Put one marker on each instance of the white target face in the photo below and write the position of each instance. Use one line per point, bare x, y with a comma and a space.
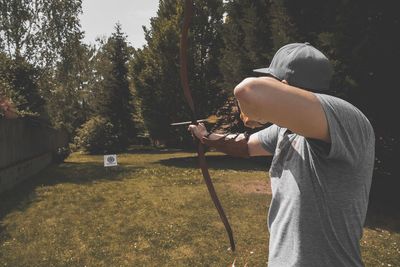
110, 160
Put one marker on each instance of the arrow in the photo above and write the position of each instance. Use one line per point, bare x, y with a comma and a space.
211, 119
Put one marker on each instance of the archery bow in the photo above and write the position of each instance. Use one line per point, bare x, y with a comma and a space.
188, 14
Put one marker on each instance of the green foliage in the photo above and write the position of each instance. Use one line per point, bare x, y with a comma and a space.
38, 30
18, 81
61, 154
98, 136
360, 38
67, 88
205, 46
156, 75
66, 85
35, 37
247, 40
283, 29
46, 70
155, 69
112, 97
248, 44
6, 90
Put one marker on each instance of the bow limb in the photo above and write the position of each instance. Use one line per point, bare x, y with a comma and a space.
200, 147
183, 58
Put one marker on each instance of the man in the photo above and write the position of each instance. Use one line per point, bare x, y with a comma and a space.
323, 156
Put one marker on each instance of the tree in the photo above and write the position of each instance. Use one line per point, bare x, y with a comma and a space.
33, 35
365, 43
247, 40
283, 28
19, 82
113, 98
248, 45
155, 68
37, 30
358, 37
67, 87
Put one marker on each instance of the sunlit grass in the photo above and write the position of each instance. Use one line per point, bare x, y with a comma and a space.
151, 210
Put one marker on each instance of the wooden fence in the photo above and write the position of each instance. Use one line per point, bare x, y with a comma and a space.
26, 147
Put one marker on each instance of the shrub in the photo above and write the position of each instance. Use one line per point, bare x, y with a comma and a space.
61, 153
97, 136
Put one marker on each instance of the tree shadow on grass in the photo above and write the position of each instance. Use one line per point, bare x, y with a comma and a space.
221, 162
88, 172
23, 194
152, 150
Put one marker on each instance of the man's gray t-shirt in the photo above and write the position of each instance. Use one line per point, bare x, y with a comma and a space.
320, 190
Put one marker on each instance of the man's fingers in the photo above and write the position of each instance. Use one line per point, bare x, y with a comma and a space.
198, 130
191, 128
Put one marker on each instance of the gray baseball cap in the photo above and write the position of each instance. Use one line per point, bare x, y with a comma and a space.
301, 65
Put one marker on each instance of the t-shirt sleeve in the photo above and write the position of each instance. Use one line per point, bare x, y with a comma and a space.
349, 129
268, 138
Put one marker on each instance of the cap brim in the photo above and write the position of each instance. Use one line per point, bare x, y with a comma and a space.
263, 70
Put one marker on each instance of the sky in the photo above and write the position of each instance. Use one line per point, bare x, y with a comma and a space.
100, 16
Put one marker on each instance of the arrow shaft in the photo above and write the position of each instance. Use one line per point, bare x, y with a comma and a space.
186, 122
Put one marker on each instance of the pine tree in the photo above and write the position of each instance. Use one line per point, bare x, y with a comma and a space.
113, 98
155, 68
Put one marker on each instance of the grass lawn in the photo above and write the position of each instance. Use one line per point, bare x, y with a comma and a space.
151, 210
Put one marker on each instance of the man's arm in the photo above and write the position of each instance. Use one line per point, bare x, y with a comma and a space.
266, 99
254, 147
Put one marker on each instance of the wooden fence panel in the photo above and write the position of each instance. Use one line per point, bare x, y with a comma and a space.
23, 142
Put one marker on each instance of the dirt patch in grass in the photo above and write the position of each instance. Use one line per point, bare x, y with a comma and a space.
251, 187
